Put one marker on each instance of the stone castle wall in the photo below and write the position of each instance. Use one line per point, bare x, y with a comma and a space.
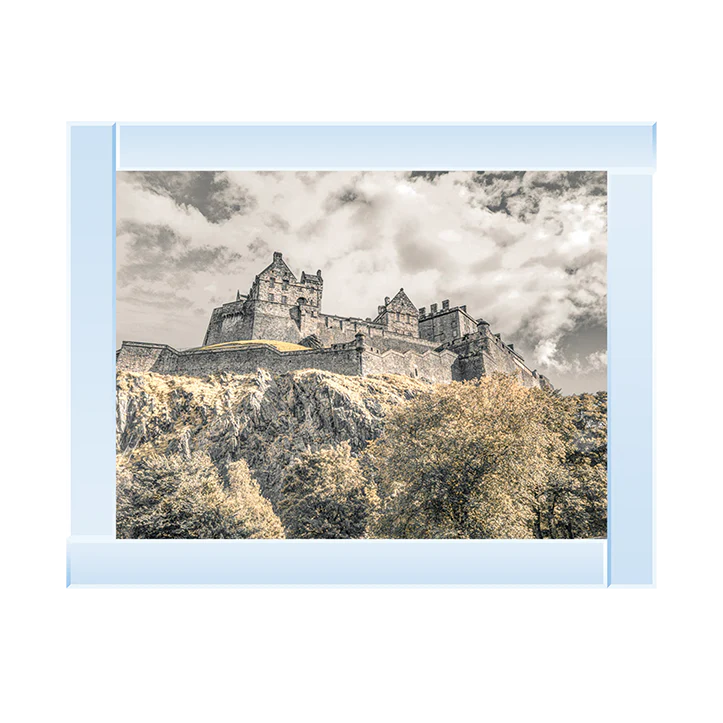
137, 356
352, 358
483, 353
229, 321
431, 365
338, 329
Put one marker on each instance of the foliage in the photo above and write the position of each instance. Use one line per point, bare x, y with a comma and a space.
482, 459
182, 496
574, 504
489, 459
324, 495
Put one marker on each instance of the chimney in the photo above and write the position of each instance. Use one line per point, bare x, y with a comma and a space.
445, 304
277, 255
422, 312
433, 309
482, 326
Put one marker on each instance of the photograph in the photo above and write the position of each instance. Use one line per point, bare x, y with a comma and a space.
361, 355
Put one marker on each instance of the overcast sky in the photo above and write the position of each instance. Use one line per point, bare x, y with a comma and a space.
524, 250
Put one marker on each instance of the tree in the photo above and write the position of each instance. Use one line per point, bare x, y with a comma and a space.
583, 508
183, 497
572, 502
324, 495
468, 460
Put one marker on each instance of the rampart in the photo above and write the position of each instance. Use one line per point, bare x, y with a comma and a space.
483, 353
352, 358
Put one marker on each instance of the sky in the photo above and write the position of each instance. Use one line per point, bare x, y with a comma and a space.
527, 251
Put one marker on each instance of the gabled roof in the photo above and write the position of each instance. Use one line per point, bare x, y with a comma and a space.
279, 266
401, 302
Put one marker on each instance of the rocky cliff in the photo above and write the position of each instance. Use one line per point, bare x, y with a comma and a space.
265, 420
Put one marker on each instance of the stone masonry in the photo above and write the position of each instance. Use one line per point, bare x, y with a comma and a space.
441, 345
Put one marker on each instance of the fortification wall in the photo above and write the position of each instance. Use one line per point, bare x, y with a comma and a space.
229, 322
249, 359
349, 358
352, 358
432, 366
275, 321
136, 356
337, 330
483, 354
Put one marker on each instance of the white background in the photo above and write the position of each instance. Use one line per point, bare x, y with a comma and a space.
360, 654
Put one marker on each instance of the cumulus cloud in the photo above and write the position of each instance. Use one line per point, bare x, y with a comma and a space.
524, 250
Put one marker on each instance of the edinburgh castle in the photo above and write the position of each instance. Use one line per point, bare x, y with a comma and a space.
279, 326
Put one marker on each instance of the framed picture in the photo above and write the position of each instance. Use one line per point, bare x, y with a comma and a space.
361, 354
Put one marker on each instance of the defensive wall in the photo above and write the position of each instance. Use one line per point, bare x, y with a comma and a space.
483, 353
352, 358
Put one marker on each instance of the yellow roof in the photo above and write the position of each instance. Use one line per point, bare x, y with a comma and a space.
278, 345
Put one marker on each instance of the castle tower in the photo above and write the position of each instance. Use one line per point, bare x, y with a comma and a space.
446, 324
278, 307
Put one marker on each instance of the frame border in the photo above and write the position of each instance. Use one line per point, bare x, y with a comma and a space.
97, 150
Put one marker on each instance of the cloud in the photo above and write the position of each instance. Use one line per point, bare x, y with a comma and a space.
156, 252
210, 193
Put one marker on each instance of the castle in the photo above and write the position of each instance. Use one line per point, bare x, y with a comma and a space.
279, 326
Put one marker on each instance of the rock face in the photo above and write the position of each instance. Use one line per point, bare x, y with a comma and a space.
265, 420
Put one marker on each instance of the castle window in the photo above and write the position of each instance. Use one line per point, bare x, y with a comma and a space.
283, 299
341, 324
272, 282
285, 285
397, 316
271, 297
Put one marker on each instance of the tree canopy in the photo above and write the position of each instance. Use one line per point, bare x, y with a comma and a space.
489, 459
324, 495
180, 496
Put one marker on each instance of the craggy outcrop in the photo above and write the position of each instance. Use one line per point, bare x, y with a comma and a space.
263, 419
